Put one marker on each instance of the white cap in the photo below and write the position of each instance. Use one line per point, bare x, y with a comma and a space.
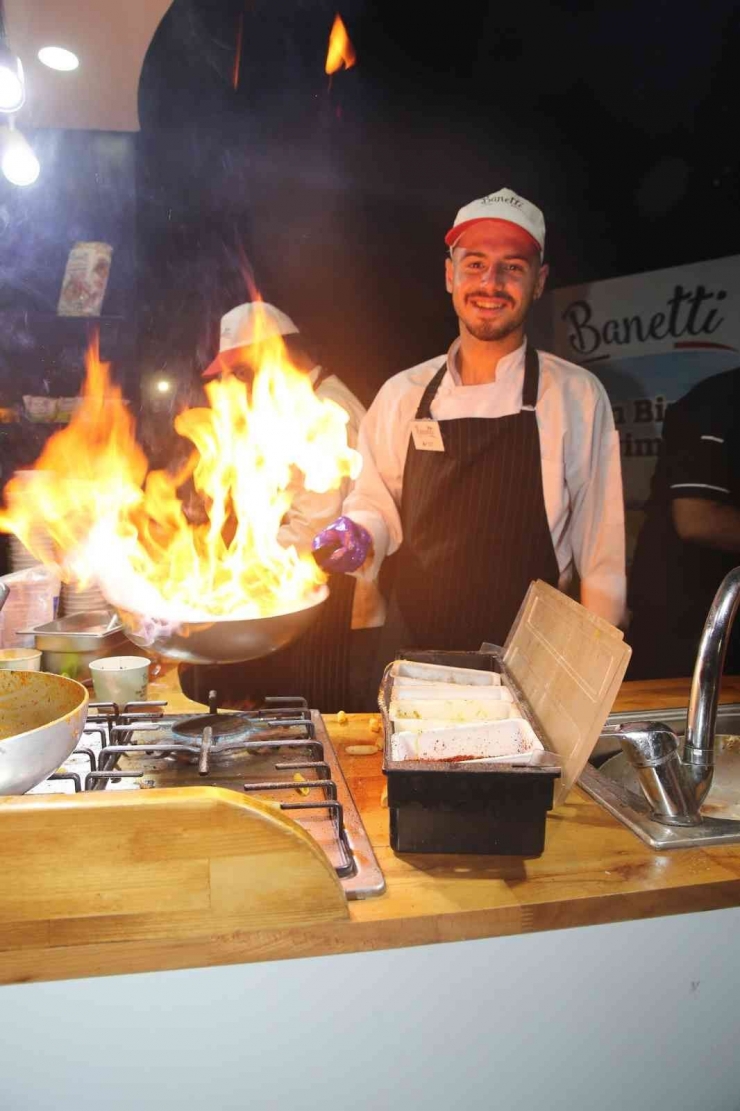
247, 324
505, 205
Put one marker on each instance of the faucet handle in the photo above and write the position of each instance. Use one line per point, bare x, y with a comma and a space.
651, 747
646, 744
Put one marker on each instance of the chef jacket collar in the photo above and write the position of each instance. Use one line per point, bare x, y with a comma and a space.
514, 361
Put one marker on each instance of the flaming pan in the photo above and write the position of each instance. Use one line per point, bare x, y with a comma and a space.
221, 641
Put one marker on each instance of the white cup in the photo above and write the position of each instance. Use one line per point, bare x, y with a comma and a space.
20, 659
120, 679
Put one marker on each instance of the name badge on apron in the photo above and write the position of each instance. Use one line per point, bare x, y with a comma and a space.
426, 435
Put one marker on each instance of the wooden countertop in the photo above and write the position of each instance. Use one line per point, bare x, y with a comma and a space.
593, 871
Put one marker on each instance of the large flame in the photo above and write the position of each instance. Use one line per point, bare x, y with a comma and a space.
341, 51
124, 527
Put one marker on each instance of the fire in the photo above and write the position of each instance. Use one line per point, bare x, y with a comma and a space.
341, 51
116, 522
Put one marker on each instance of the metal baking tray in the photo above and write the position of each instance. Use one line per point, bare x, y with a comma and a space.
69, 644
79, 632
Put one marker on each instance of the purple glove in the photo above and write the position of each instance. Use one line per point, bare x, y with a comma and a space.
342, 546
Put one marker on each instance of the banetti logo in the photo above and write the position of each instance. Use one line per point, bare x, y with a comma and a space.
688, 312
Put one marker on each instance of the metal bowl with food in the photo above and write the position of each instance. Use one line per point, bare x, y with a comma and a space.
221, 640
41, 719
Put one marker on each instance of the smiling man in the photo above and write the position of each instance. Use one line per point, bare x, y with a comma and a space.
489, 466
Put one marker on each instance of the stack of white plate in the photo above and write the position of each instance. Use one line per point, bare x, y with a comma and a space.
21, 557
41, 542
75, 600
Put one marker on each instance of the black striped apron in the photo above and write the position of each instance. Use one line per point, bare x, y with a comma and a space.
475, 529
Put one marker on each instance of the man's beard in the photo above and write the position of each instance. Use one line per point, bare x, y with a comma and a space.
488, 330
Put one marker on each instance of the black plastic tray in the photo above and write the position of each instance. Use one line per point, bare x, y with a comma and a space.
454, 808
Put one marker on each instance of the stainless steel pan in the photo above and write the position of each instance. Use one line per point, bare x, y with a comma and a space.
41, 718
220, 641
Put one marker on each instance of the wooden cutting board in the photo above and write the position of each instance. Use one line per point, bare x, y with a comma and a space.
185, 861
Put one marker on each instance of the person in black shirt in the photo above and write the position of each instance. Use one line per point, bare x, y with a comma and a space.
691, 536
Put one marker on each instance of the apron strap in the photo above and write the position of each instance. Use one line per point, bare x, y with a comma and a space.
530, 388
424, 412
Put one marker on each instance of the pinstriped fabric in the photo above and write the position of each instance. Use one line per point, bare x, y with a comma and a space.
475, 526
315, 666
321, 656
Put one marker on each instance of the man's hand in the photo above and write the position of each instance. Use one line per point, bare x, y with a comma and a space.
708, 523
341, 547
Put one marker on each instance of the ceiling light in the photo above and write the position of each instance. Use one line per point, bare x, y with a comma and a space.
56, 57
163, 386
18, 162
12, 85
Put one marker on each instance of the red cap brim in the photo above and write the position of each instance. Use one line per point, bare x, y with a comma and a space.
225, 360
454, 233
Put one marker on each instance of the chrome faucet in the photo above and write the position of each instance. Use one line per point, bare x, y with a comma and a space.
698, 752
676, 785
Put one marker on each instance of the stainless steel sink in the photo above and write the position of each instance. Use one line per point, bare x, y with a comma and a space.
675, 786
616, 787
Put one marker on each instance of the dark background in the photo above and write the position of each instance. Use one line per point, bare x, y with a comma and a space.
619, 123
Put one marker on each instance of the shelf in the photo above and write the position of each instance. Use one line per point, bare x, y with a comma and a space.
52, 319
46, 327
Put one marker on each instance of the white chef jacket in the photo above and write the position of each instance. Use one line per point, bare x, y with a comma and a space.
581, 471
310, 512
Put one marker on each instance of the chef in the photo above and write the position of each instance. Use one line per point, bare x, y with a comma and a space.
242, 330
316, 665
489, 466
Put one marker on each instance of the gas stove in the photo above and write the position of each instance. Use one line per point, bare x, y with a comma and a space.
281, 753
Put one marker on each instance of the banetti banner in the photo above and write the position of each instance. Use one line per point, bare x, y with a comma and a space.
649, 338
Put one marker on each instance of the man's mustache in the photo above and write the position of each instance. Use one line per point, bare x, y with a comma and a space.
490, 297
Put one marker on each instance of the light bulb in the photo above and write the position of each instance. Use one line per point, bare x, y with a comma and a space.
18, 163
12, 85
56, 57
163, 386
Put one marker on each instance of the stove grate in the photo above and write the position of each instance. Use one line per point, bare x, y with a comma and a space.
140, 746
